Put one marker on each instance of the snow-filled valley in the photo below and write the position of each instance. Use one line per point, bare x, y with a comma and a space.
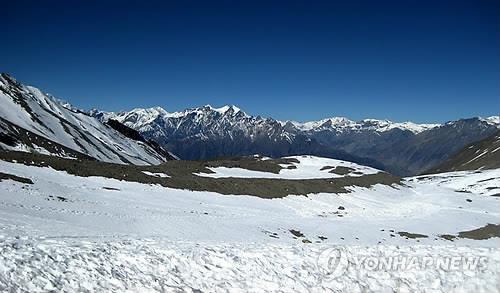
70, 233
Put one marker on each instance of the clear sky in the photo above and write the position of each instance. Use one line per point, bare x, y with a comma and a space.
425, 61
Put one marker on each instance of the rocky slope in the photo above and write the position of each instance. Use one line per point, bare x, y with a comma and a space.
484, 154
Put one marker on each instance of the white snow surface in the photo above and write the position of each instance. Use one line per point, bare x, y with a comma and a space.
153, 265
309, 167
156, 174
485, 182
69, 233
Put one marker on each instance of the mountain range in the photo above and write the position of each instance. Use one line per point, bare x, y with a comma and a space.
33, 121
400, 148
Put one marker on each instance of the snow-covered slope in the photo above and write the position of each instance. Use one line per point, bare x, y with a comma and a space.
71, 205
43, 115
69, 233
486, 182
157, 265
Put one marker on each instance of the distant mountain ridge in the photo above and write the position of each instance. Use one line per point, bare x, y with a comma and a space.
339, 124
401, 148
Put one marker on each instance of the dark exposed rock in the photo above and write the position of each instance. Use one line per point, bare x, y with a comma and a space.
5, 176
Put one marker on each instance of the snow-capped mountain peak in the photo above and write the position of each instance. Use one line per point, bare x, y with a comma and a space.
492, 120
322, 124
224, 109
230, 110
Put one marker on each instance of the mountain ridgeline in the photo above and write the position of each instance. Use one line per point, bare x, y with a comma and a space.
399, 148
33, 121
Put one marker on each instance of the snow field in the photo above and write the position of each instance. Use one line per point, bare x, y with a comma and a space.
152, 265
309, 167
91, 234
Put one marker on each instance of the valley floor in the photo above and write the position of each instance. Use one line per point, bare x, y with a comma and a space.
71, 233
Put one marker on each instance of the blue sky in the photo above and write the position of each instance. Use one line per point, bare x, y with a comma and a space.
425, 61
